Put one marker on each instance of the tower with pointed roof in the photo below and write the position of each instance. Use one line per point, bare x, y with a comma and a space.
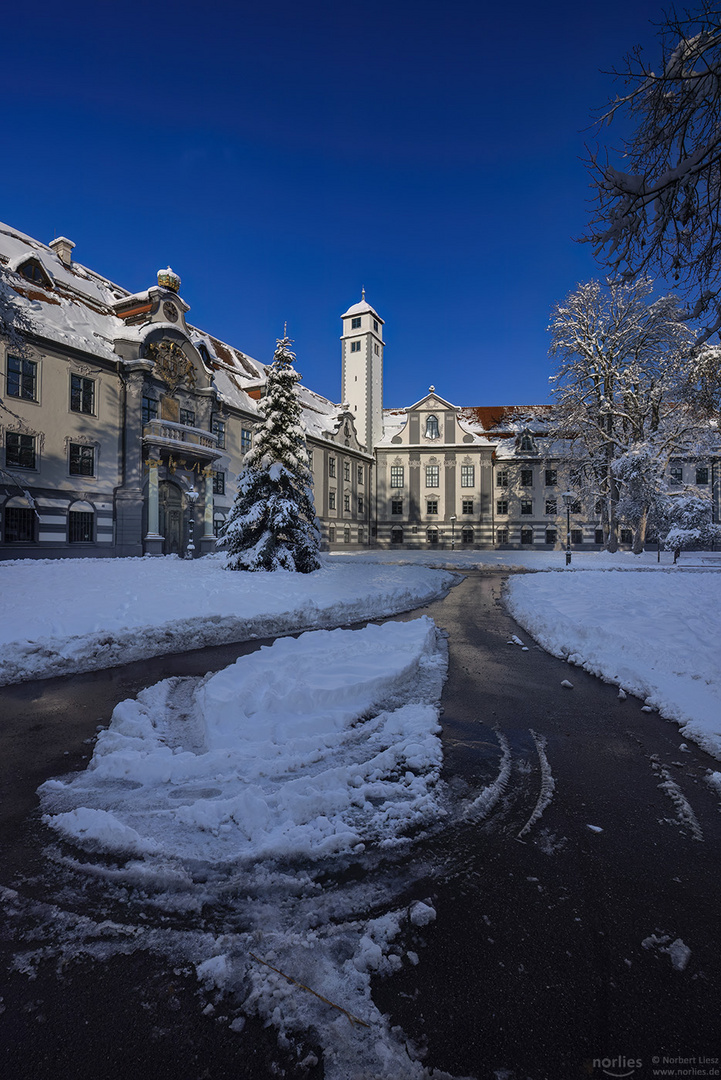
362, 369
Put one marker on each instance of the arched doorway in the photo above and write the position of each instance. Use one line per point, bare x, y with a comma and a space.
171, 517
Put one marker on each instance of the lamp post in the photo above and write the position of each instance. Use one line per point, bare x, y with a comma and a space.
568, 497
453, 532
192, 496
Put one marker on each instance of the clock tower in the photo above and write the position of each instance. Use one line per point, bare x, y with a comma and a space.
362, 370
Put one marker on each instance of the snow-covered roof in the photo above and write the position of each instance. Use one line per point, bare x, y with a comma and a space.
360, 309
78, 310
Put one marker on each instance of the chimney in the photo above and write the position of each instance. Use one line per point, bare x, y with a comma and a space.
63, 248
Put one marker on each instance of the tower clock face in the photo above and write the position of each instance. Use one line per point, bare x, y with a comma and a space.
170, 311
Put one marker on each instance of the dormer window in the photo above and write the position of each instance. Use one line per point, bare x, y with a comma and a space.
526, 443
432, 428
204, 354
33, 271
355, 323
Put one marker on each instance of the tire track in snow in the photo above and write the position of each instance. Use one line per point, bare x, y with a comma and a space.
484, 803
684, 810
548, 785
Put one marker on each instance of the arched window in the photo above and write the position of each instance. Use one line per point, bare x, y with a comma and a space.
526, 443
396, 535
432, 429
466, 535
346, 534
81, 523
331, 534
432, 535
19, 521
526, 536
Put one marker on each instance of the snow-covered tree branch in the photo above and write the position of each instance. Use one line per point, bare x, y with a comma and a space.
272, 523
661, 213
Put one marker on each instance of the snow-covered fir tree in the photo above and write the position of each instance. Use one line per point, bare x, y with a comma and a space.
272, 523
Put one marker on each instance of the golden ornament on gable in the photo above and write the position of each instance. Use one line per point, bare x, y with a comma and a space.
172, 365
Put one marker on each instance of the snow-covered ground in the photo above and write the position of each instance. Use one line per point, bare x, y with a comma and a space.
81, 614
657, 636
246, 794
537, 560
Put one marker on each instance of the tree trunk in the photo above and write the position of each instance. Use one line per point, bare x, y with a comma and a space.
639, 533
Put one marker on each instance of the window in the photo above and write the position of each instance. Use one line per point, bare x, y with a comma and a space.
526, 536
310, 460
187, 417
501, 536
468, 475
360, 474
218, 429
80, 526
361, 534
526, 477
375, 325
396, 535
218, 526
702, 474
82, 460
626, 536
346, 471
397, 477
432, 506
599, 536
676, 474
246, 441
551, 477
432, 476
396, 506
432, 535
331, 534
376, 348
551, 506
466, 535
19, 525
355, 322
22, 378
150, 410
502, 479
331, 500
360, 504
346, 534
32, 271
501, 506
432, 429
526, 443
219, 483
82, 394
346, 502
551, 536
331, 466
355, 346
526, 506
576, 536
467, 506
20, 450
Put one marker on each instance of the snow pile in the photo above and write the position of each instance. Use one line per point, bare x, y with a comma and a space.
657, 636
248, 794
500, 559
79, 615
285, 754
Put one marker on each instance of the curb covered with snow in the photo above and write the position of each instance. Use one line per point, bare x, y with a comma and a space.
82, 615
657, 636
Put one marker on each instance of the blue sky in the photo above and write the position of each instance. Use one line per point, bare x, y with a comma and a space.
281, 155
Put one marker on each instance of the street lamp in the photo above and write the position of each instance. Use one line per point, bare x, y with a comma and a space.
568, 498
453, 532
192, 496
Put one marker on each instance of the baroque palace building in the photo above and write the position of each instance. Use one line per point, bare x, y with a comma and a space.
123, 428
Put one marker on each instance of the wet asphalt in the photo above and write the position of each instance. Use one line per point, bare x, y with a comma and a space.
547, 953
